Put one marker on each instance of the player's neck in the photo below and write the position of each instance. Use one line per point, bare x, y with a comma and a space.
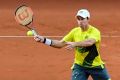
85, 28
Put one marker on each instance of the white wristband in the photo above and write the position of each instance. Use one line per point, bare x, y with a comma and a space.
47, 41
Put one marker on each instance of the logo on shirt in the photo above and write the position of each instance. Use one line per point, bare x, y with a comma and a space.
86, 37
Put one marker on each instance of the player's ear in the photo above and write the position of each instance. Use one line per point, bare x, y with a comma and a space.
88, 18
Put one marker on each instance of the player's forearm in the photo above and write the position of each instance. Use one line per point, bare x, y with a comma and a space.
86, 43
71, 45
50, 42
57, 44
82, 44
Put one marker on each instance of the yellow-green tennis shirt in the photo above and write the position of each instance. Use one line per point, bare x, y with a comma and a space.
86, 56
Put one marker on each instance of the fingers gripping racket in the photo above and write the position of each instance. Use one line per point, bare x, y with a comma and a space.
24, 16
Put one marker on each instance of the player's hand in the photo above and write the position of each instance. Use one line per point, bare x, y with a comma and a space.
70, 45
39, 38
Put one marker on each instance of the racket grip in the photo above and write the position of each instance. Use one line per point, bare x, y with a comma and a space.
34, 32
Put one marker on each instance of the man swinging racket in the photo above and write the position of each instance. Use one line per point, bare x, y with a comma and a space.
85, 39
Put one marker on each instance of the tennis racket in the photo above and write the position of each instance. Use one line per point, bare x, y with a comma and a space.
24, 16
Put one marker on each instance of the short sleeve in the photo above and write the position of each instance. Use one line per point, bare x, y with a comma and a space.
69, 37
95, 34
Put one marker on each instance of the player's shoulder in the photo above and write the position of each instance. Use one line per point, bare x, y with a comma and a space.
93, 28
75, 29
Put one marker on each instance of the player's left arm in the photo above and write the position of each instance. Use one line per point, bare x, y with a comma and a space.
93, 38
85, 43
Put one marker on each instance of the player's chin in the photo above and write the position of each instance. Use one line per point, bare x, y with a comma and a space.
79, 25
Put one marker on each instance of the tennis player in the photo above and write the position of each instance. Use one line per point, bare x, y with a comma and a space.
85, 39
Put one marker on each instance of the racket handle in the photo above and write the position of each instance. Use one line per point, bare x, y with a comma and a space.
34, 32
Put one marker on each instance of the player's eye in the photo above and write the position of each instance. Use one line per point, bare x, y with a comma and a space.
80, 18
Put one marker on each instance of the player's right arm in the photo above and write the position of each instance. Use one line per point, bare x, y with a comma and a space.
53, 43
56, 43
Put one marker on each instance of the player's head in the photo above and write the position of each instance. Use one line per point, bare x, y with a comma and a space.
84, 13
83, 17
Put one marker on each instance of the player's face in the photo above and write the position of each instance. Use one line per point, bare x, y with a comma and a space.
82, 22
